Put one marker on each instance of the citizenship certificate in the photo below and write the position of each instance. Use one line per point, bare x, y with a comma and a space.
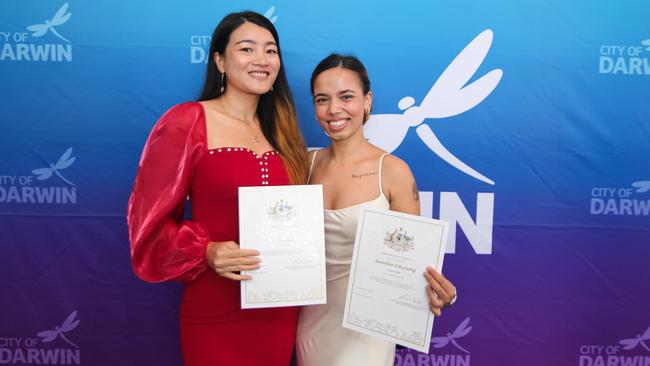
285, 224
387, 292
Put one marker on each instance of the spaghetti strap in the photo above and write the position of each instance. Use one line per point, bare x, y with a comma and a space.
311, 165
381, 191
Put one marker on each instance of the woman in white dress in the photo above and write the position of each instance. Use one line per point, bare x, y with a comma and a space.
354, 174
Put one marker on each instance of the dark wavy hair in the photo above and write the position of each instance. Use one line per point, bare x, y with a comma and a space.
276, 109
347, 62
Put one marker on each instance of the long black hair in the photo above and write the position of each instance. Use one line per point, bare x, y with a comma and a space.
276, 109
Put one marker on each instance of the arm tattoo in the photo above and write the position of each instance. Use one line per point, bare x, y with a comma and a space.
414, 191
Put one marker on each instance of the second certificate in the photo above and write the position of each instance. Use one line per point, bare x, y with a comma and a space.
387, 292
285, 224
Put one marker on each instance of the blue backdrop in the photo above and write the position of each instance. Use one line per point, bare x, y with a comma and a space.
528, 128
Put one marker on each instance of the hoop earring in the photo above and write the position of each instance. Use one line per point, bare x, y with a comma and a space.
222, 84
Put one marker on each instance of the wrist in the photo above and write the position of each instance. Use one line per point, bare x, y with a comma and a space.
453, 299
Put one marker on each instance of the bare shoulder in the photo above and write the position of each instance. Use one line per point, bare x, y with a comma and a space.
315, 160
401, 189
396, 169
320, 153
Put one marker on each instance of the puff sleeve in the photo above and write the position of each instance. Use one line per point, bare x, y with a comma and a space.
163, 245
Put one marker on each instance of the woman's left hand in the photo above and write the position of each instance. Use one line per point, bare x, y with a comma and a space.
441, 292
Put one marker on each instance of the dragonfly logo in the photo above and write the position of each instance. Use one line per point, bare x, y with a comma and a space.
450, 95
639, 340
64, 161
200, 43
33, 45
642, 186
407, 357
462, 330
69, 324
59, 18
269, 14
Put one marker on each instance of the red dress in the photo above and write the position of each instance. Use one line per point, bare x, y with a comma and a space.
176, 163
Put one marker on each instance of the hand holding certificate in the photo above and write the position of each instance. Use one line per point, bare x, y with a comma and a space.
285, 224
387, 295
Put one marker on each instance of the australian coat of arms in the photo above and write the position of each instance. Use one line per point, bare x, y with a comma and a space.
281, 211
399, 240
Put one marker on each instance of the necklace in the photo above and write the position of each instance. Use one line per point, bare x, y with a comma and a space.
257, 138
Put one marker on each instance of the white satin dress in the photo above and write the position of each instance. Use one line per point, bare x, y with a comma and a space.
321, 339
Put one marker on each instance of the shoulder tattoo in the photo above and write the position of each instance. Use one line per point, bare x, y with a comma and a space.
415, 192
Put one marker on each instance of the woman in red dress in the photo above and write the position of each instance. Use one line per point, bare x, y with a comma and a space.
242, 132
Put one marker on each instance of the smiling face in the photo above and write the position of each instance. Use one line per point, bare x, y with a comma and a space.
251, 60
340, 103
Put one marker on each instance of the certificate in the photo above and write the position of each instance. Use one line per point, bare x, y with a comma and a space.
285, 224
387, 292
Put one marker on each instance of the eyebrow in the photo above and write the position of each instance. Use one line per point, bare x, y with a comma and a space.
341, 92
253, 42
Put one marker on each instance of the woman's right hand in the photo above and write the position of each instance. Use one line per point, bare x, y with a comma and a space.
227, 259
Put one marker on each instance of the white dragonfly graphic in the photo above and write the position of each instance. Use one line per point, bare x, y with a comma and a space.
64, 161
647, 44
449, 96
460, 331
639, 340
269, 14
59, 18
642, 186
68, 324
